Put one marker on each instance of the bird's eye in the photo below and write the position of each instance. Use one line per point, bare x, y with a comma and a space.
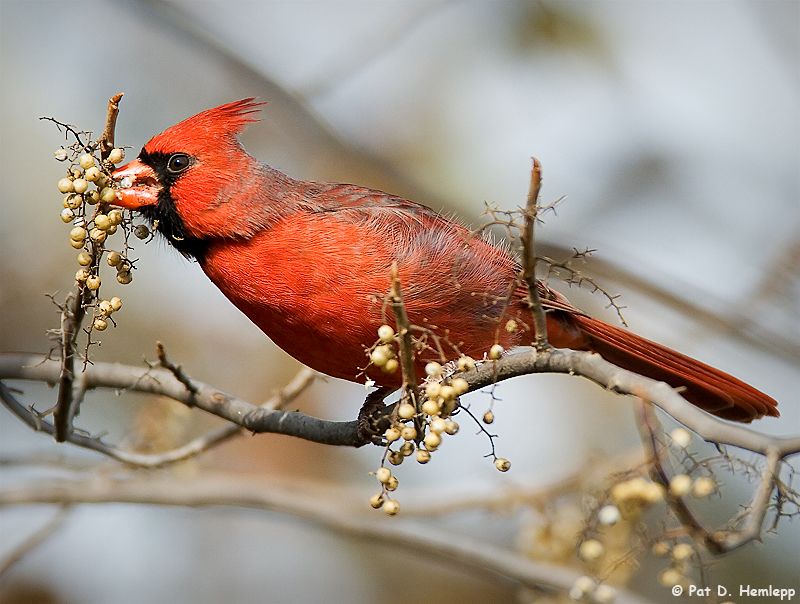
178, 163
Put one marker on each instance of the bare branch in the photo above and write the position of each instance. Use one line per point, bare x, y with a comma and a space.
255, 419
575, 277
528, 239
107, 375
727, 541
106, 141
71, 320
176, 370
211, 438
593, 367
652, 434
717, 541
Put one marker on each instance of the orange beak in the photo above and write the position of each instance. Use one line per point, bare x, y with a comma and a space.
136, 185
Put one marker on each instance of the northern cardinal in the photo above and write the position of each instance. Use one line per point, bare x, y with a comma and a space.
309, 263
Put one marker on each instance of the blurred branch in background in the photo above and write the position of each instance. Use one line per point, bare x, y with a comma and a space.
353, 58
321, 506
37, 538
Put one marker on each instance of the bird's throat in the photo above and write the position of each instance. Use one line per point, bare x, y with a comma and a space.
164, 219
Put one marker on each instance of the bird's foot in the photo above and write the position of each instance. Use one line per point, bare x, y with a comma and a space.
373, 418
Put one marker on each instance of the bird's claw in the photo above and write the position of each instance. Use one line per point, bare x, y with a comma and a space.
373, 418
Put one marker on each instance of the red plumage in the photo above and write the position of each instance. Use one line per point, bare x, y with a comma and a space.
309, 263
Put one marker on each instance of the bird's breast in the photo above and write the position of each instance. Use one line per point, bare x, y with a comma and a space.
316, 286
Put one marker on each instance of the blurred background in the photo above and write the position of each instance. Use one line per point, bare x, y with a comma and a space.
672, 128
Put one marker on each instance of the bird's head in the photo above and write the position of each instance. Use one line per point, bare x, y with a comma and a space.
185, 177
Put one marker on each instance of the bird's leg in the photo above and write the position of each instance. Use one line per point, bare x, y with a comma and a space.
373, 415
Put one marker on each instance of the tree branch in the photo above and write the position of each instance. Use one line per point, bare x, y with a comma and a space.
717, 541
588, 365
652, 435
71, 319
727, 541
36, 539
107, 375
593, 367
260, 419
256, 419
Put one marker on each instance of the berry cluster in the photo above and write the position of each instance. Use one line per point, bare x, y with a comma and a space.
587, 588
681, 555
383, 355
88, 195
622, 507
418, 429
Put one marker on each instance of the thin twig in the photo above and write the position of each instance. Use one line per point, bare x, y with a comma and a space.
576, 277
710, 313
405, 342
71, 321
727, 541
106, 141
652, 435
717, 541
176, 370
528, 239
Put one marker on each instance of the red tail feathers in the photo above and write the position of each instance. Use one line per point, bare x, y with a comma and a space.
708, 388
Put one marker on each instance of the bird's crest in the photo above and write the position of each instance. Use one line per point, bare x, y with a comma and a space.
210, 126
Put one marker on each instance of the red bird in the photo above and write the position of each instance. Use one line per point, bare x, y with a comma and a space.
309, 263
